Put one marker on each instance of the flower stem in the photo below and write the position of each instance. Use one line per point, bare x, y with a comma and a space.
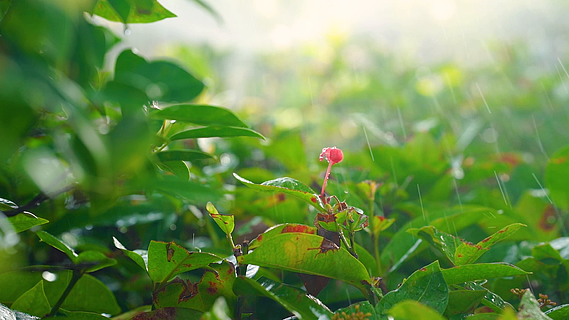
325, 180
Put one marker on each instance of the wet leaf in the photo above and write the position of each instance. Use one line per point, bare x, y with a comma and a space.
278, 229
491, 300
222, 132
25, 221
443, 241
311, 254
89, 294
426, 285
58, 244
559, 313
463, 301
530, 309
140, 257
225, 222
289, 186
204, 115
33, 301
167, 259
413, 310
6, 205
295, 300
480, 271
216, 281
468, 253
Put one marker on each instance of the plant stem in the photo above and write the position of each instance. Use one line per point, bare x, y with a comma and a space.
325, 180
241, 271
77, 274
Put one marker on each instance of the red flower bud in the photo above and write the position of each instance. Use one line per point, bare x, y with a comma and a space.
333, 155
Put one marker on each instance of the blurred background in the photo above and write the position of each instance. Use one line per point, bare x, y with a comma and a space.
339, 71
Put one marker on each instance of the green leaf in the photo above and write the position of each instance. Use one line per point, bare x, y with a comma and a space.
413, 310
200, 114
58, 244
463, 301
278, 229
97, 259
530, 309
159, 80
117, 10
216, 281
178, 168
443, 241
33, 301
558, 313
491, 300
468, 253
309, 253
25, 221
226, 222
187, 190
556, 176
222, 132
140, 257
293, 299
89, 294
426, 285
167, 259
289, 186
480, 271
184, 155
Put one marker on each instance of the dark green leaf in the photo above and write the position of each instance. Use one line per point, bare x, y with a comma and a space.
309, 253
289, 186
24, 221
225, 222
426, 285
89, 294
463, 301
159, 80
166, 260
178, 168
222, 132
33, 301
491, 300
480, 271
443, 241
200, 114
293, 299
115, 10
184, 155
95, 258
6, 205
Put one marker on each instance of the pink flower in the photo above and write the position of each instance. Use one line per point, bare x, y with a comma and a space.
333, 155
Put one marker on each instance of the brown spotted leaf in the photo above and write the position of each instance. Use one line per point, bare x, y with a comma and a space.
216, 281
278, 229
167, 259
311, 254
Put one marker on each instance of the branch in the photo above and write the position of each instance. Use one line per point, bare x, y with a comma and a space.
37, 200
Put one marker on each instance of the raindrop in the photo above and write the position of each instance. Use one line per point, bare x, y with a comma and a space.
122, 229
127, 30
48, 276
173, 227
89, 227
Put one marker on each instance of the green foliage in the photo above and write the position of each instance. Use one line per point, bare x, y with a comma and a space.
91, 155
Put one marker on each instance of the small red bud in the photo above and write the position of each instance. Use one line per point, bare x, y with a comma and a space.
333, 155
